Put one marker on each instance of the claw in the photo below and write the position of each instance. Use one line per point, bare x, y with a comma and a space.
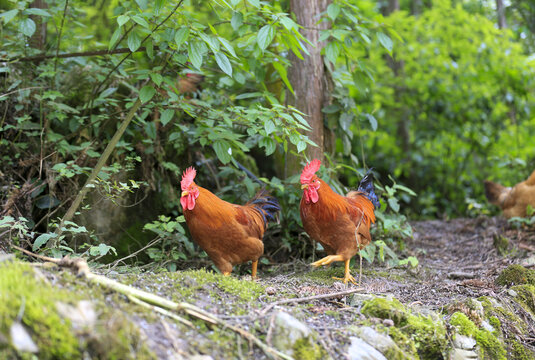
347, 278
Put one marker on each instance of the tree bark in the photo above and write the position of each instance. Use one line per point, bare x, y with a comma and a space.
38, 39
500, 11
308, 77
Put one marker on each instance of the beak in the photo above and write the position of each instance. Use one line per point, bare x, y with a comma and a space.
304, 186
184, 193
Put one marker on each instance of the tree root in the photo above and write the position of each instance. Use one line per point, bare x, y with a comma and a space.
155, 302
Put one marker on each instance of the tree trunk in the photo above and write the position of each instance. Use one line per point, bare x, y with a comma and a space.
308, 77
500, 10
38, 39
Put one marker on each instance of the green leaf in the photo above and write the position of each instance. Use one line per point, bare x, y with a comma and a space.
332, 50
37, 11
288, 23
27, 27
150, 129
41, 240
122, 19
301, 145
269, 144
269, 126
141, 21
157, 78
142, 4
255, 3
133, 41
224, 63
158, 6
114, 38
265, 36
372, 120
181, 36
237, 20
9, 15
333, 10
46, 202
394, 204
385, 41
222, 150
166, 116
283, 74
149, 48
195, 53
227, 46
146, 93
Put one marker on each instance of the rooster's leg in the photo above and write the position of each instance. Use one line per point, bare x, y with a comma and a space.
253, 272
327, 260
347, 274
226, 273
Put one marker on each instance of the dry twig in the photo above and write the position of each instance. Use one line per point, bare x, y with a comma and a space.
310, 298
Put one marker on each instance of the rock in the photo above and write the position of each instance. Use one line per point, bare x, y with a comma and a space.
485, 325
381, 342
460, 354
21, 340
356, 300
294, 338
388, 323
361, 350
270, 290
464, 342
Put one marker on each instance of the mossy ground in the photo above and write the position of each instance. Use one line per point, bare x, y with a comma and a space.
26, 297
516, 275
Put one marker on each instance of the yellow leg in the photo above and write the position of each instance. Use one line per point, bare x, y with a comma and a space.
327, 260
347, 274
253, 272
226, 273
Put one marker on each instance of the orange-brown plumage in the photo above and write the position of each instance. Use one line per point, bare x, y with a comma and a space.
341, 224
513, 201
230, 234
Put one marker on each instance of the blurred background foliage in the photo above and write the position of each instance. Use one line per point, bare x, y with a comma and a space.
435, 95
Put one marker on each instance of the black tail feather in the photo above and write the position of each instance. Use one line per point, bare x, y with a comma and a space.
267, 205
366, 186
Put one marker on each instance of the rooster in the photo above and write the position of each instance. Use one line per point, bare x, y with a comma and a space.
230, 234
513, 201
341, 224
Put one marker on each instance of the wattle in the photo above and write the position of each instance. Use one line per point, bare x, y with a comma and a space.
187, 202
311, 195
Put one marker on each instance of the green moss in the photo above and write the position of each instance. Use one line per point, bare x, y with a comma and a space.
304, 349
516, 275
496, 324
463, 324
386, 309
414, 333
519, 352
404, 342
501, 244
525, 295
429, 336
491, 346
21, 290
494, 309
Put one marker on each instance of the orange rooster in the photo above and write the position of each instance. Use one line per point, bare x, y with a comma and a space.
340, 223
230, 234
513, 201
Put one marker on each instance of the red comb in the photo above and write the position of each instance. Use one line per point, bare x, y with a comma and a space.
187, 178
309, 171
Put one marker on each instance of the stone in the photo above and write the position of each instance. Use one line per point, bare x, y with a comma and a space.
460, 354
380, 341
361, 350
464, 342
292, 337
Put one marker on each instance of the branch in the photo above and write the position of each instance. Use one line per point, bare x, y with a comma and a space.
310, 298
75, 54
